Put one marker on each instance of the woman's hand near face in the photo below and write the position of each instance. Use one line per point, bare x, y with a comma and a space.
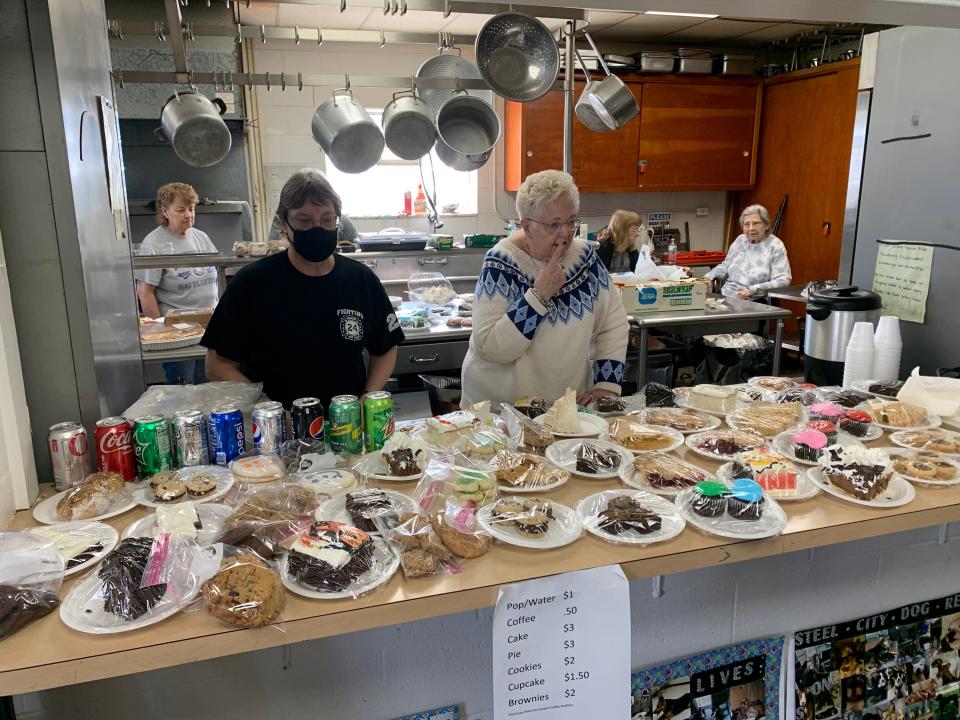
552, 277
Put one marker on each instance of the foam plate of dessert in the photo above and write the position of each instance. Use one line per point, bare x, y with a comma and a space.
739, 510
713, 399
195, 484
783, 486
632, 517
924, 467
590, 426
945, 442
375, 467
526, 473
898, 492
383, 566
618, 406
640, 439
895, 415
46, 511
772, 382
530, 522
783, 444
768, 419
877, 388
336, 509
209, 515
597, 459
684, 420
81, 543
845, 397
723, 444
662, 474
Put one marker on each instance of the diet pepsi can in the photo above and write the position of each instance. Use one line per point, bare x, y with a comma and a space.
307, 419
227, 440
269, 427
190, 446
69, 454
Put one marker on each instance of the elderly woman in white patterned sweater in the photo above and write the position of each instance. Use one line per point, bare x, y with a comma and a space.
543, 301
756, 261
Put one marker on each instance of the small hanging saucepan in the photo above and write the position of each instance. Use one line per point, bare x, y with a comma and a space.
611, 98
347, 133
408, 127
193, 126
588, 116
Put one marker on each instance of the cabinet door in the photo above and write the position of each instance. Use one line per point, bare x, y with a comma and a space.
543, 134
606, 161
698, 135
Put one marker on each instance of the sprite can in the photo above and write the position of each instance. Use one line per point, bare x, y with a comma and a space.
346, 430
377, 419
151, 442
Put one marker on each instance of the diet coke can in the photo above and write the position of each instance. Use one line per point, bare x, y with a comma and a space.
69, 454
115, 453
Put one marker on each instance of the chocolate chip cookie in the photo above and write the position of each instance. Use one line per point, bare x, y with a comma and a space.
246, 593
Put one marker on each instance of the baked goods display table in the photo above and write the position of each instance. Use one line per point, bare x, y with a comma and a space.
48, 654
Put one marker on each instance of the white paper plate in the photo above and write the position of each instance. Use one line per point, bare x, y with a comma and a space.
676, 440
46, 511
712, 421
562, 530
590, 426
692, 440
683, 401
629, 476
899, 491
563, 454
211, 515
912, 453
561, 480
97, 532
736, 424
672, 523
783, 444
897, 438
933, 421
806, 489
385, 564
874, 432
759, 380
144, 493
335, 508
82, 609
774, 521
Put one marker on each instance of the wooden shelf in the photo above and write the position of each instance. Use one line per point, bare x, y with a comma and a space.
47, 654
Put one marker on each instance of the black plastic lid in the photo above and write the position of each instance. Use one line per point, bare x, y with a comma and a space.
849, 298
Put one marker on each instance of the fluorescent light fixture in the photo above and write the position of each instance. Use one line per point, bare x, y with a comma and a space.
680, 14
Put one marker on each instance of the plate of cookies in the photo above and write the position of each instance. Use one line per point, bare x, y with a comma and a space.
936, 440
199, 483
923, 467
597, 459
100, 496
531, 522
519, 472
632, 517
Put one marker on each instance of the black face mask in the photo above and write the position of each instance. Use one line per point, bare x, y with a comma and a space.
315, 244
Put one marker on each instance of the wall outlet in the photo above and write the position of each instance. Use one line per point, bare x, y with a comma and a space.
703, 212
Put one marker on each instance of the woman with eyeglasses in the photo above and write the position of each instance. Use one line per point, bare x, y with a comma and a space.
299, 321
756, 261
545, 316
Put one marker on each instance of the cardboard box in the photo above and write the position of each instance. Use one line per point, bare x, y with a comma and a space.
663, 295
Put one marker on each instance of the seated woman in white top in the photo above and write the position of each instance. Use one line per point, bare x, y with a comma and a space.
756, 261
543, 301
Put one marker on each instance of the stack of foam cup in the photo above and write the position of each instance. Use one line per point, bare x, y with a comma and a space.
887, 349
858, 363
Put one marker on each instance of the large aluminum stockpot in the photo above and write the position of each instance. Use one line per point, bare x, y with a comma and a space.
831, 315
193, 126
408, 127
347, 133
467, 130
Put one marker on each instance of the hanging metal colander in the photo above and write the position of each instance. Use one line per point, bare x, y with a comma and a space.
517, 56
449, 66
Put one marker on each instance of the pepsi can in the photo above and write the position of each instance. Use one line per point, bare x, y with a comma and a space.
307, 416
227, 441
269, 427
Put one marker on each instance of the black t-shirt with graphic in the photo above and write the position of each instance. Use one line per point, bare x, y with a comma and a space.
300, 335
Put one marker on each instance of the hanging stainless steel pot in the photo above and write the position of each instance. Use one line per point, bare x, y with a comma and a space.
347, 133
588, 116
408, 127
193, 126
611, 98
467, 130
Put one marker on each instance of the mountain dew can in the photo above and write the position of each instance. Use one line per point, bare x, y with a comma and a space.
377, 419
346, 427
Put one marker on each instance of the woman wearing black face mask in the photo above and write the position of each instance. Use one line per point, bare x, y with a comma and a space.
299, 321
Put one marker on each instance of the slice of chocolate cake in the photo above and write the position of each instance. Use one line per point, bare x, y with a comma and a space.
594, 460
364, 505
402, 462
329, 556
625, 513
121, 573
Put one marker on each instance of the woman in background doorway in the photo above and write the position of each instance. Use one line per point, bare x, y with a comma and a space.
619, 250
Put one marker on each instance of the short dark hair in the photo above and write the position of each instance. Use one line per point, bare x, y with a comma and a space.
307, 185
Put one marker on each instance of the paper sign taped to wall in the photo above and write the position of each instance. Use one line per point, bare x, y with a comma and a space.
902, 280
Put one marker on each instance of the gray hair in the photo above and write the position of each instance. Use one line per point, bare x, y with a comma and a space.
756, 210
307, 184
543, 188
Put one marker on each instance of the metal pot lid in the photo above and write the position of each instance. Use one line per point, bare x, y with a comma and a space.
850, 298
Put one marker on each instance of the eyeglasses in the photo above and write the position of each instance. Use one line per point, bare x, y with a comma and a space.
555, 227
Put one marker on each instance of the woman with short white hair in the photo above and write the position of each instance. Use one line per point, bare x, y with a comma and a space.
543, 301
756, 261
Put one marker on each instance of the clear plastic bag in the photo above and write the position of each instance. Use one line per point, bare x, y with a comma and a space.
430, 288
804, 396
610, 406
524, 472
768, 420
265, 519
639, 438
258, 468
447, 432
452, 484
79, 543
630, 517
845, 397
657, 395
403, 457
739, 510
663, 474
422, 552
523, 434
246, 591
97, 495
31, 572
684, 420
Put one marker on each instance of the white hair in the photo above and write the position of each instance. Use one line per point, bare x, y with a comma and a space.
543, 188
755, 210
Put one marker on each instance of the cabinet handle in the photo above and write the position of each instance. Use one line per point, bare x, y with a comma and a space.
746, 153
529, 153
370, 263
432, 261
425, 360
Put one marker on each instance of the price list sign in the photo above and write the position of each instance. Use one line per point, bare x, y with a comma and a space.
561, 647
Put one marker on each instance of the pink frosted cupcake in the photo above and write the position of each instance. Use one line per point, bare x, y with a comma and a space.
809, 444
826, 411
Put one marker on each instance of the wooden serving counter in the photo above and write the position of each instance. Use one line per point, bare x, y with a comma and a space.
47, 654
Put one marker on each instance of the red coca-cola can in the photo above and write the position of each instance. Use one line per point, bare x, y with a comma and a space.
115, 451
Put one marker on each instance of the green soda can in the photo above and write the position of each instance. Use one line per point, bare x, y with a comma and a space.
151, 442
346, 427
377, 419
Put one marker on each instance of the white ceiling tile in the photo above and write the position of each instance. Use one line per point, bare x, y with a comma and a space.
600, 19
259, 13
323, 16
420, 21
779, 31
465, 23
718, 30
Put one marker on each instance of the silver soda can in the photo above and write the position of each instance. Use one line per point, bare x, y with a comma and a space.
190, 444
69, 454
269, 426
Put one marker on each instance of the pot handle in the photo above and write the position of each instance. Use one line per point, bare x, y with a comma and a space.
583, 66
161, 136
219, 102
818, 313
600, 59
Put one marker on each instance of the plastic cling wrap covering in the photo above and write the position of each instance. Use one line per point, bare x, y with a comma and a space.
422, 552
524, 434
31, 571
684, 420
630, 517
524, 472
165, 400
662, 474
79, 543
639, 438
723, 444
452, 485
598, 459
267, 518
945, 442
611, 406
531, 522
767, 420
97, 495
739, 510
255, 468
923, 467
245, 592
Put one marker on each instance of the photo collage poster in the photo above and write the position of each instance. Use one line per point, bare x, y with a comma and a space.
739, 682
901, 664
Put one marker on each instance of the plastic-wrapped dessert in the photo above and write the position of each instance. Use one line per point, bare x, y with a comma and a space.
767, 420
637, 437
665, 473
